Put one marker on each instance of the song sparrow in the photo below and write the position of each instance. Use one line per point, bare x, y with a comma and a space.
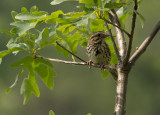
98, 50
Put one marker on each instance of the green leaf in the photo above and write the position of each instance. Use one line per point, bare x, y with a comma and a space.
40, 60
24, 62
90, 2
14, 13
4, 53
83, 21
51, 112
61, 50
30, 16
123, 13
60, 34
139, 2
84, 31
22, 27
20, 45
33, 9
97, 25
15, 82
73, 40
114, 5
29, 86
46, 74
55, 2
104, 73
86, 9
142, 19
24, 10
43, 38
54, 16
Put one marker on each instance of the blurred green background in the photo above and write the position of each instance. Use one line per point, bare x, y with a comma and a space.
77, 90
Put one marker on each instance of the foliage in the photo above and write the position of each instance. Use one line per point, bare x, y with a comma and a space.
69, 29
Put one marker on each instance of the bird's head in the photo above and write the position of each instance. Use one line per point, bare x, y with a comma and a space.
98, 37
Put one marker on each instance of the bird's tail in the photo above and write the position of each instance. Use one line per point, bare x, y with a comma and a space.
114, 74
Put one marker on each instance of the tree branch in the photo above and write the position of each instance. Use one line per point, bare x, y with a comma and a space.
144, 45
128, 34
132, 32
114, 44
119, 34
109, 67
71, 52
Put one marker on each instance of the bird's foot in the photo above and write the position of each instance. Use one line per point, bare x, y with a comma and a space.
89, 63
102, 67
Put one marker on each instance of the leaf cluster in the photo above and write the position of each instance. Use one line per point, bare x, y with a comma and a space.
69, 29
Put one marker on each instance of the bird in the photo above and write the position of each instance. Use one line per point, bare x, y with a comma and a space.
98, 50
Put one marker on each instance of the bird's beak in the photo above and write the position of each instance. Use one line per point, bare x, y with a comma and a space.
107, 35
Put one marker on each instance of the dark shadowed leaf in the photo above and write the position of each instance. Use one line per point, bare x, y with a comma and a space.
142, 19
114, 5
4, 53
29, 86
15, 82
46, 74
24, 62
90, 2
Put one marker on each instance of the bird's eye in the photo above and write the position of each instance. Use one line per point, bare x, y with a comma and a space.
99, 35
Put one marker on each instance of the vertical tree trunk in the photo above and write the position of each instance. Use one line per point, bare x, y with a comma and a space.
121, 92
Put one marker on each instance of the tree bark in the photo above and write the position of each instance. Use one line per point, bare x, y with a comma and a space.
120, 105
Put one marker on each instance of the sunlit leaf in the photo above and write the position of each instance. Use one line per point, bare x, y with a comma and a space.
83, 21
97, 25
55, 2
22, 27
51, 112
73, 40
89, 114
24, 10
30, 16
83, 30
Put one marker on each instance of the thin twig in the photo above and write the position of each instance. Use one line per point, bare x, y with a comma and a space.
144, 45
128, 34
114, 44
132, 32
71, 52
109, 67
